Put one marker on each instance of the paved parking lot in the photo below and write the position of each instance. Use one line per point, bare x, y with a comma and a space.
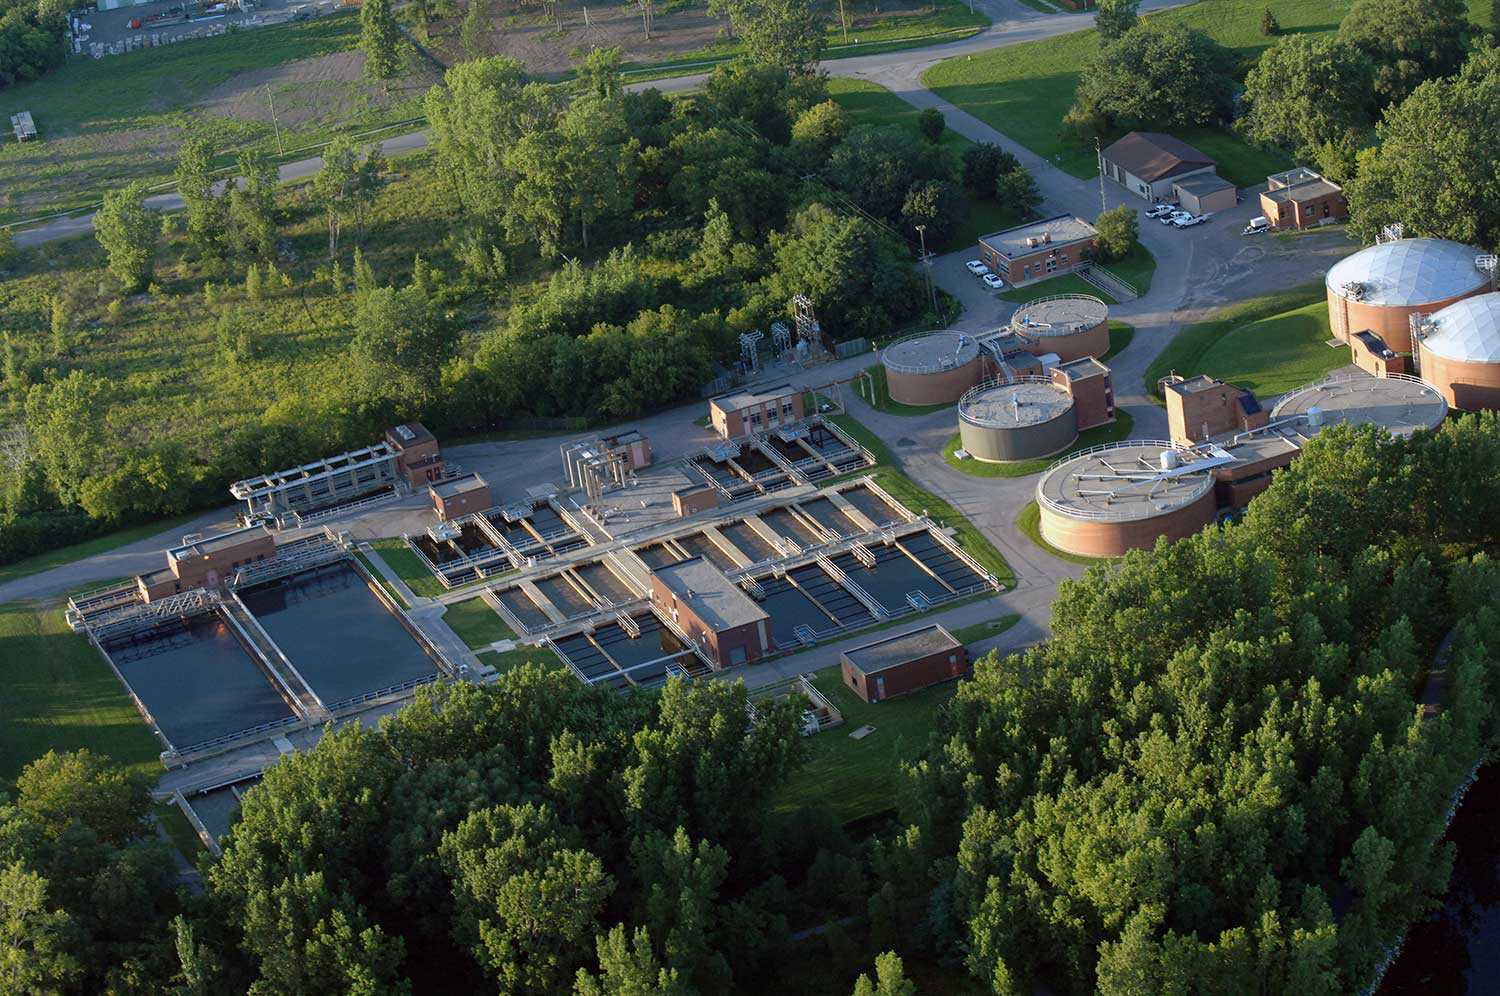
110, 31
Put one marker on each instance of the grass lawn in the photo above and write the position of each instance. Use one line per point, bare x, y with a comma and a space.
503, 662
1120, 336
1118, 429
88, 548
870, 103
1030, 523
179, 831
1068, 283
1024, 90
60, 695
1271, 344
882, 400
476, 623
856, 778
408, 567
983, 631
1136, 268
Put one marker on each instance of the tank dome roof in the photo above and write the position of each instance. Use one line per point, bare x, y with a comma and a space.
1408, 272
1467, 330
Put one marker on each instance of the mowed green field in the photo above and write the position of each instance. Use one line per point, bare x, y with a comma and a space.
1024, 90
1270, 344
105, 122
856, 778
58, 694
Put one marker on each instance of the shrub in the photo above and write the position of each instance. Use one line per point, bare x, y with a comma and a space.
1119, 228
1269, 26
932, 124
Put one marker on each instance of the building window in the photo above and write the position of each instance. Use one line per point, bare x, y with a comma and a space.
755, 417
1026, 272
1051, 264
786, 410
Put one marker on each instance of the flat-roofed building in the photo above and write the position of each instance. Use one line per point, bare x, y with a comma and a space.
1038, 249
1299, 197
1202, 407
712, 610
418, 456
744, 413
202, 561
458, 496
903, 664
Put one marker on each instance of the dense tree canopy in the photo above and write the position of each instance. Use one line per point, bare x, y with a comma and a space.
1158, 77
1408, 40
1309, 94
31, 38
1220, 745
1434, 168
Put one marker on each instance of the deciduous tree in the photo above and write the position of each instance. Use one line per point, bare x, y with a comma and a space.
1433, 170
205, 208
1118, 230
1115, 17
787, 34
1307, 91
128, 231
1408, 40
379, 39
1159, 77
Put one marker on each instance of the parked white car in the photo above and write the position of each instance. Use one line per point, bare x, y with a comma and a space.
977, 268
993, 282
1183, 219
1166, 219
1257, 225
1157, 210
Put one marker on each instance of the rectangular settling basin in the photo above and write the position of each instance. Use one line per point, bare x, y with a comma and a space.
941, 561
606, 583
198, 681
338, 634
834, 597
569, 600
893, 576
830, 516
747, 540
875, 508
701, 546
785, 522
788, 609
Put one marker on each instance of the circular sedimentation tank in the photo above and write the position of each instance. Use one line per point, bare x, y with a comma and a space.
1071, 325
1402, 405
931, 368
1380, 287
1111, 499
1460, 353
1028, 417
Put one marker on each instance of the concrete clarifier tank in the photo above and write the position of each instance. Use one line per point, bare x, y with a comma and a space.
1022, 420
931, 368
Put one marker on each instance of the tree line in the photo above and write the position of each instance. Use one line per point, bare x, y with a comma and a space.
1216, 777
669, 226
534, 837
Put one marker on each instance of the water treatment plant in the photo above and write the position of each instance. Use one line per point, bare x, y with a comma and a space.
1110, 499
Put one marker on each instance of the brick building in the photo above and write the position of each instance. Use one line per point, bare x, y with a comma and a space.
459, 496
903, 664
714, 611
744, 413
1299, 197
203, 561
1038, 250
1200, 408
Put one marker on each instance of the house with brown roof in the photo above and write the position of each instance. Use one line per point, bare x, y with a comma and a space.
1159, 167
1299, 198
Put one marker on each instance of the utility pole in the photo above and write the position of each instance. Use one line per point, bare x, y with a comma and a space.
844, 21
1099, 159
270, 99
927, 268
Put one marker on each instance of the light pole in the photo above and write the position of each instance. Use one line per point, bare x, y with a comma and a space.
927, 268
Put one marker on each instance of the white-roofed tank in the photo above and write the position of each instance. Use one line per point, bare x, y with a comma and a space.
1380, 287
1460, 354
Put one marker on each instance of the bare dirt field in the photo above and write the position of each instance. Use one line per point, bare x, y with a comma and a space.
326, 87
679, 31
